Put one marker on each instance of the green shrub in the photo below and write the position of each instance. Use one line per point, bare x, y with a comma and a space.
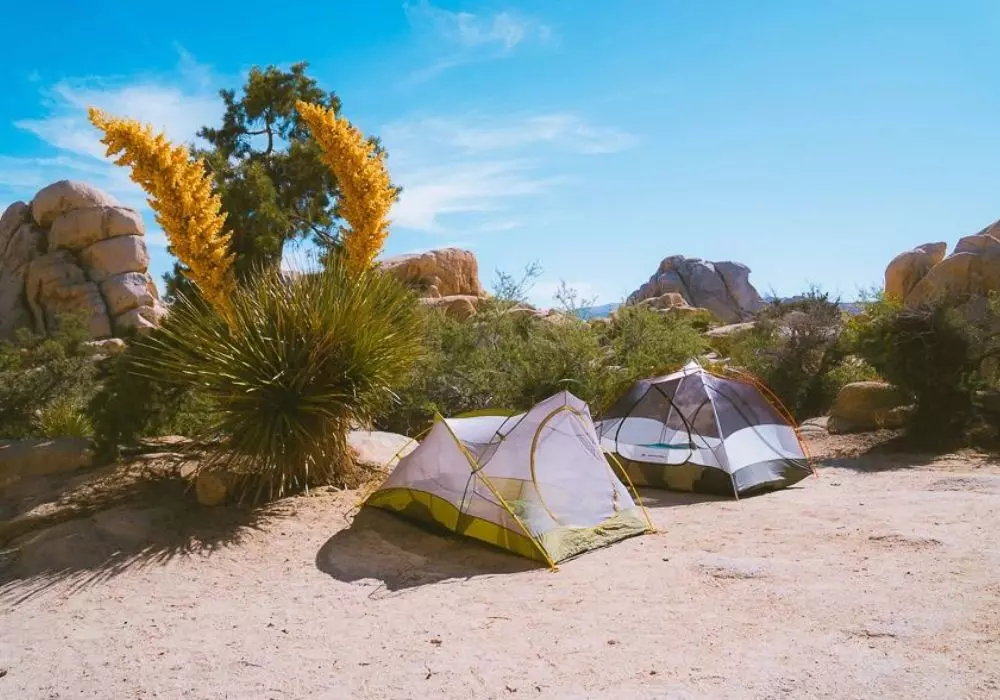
45, 382
290, 369
505, 358
934, 353
131, 404
645, 342
795, 348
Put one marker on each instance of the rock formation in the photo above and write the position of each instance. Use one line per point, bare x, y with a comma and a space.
924, 275
446, 279
865, 406
75, 251
720, 287
438, 273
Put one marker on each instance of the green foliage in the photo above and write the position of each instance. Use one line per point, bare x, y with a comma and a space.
506, 357
44, 382
268, 170
295, 364
795, 348
645, 342
934, 353
65, 417
131, 404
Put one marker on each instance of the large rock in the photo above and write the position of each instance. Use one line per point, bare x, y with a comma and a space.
13, 216
958, 277
460, 306
906, 269
449, 271
23, 245
48, 276
47, 456
66, 195
378, 449
867, 406
128, 291
139, 320
55, 251
723, 288
83, 301
115, 256
80, 228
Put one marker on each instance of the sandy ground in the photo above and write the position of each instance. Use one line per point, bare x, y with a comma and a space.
879, 579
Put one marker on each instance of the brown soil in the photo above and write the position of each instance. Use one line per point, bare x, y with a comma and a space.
879, 579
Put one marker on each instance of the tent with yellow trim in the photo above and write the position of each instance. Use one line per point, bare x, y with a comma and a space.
536, 483
704, 431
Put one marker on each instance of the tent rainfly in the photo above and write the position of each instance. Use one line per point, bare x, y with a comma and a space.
697, 431
536, 483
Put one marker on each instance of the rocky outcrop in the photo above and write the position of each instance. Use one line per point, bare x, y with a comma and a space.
74, 251
438, 273
21, 458
722, 288
906, 269
924, 275
460, 306
867, 406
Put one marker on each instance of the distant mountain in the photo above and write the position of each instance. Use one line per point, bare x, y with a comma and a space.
602, 311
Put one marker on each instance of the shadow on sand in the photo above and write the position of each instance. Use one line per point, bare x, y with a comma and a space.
395, 554
111, 522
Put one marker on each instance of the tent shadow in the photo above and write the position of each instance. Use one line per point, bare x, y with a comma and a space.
393, 553
665, 498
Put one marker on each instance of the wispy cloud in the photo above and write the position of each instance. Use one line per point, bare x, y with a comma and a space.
451, 166
461, 188
565, 131
465, 37
178, 103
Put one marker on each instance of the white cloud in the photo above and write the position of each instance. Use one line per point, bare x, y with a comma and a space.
178, 104
467, 37
469, 187
503, 29
566, 131
474, 166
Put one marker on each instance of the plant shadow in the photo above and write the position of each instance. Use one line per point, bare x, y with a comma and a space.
899, 452
395, 554
93, 527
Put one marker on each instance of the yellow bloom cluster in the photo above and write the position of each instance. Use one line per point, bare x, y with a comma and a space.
180, 192
367, 192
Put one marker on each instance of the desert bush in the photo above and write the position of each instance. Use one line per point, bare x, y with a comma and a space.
288, 368
131, 404
645, 342
502, 358
795, 348
45, 382
934, 353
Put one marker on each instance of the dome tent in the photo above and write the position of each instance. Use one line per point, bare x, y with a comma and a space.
695, 430
536, 483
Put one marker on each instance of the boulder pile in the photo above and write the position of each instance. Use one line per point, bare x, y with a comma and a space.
75, 251
722, 288
925, 275
447, 278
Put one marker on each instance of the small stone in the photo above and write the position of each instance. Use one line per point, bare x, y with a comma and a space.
211, 488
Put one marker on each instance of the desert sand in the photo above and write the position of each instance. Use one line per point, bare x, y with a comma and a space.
878, 579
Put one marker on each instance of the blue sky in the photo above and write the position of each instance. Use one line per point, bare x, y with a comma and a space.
812, 141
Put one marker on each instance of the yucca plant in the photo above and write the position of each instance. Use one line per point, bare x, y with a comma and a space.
289, 366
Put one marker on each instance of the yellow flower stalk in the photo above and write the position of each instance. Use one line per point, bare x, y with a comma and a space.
180, 192
367, 192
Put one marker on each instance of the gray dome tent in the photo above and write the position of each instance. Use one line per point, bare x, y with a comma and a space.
695, 430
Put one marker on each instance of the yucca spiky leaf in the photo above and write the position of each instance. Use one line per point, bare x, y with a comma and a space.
290, 367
